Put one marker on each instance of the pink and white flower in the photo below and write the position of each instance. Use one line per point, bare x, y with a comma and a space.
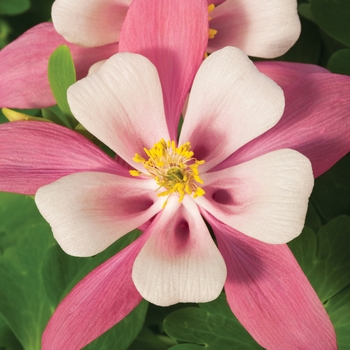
92, 29
175, 259
262, 29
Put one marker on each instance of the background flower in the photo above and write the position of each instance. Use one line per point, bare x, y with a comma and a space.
97, 25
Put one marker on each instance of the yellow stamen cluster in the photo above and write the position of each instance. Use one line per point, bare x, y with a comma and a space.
173, 168
212, 32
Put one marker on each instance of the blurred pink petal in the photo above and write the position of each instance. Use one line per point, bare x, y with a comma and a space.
270, 295
229, 95
34, 154
286, 73
173, 35
265, 198
179, 262
24, 81
90, 211
84, 315
260, 28
89, 23
315, 122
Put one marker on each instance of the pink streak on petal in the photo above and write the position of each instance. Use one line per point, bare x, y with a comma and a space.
259, 28
230, 104
266, 198
24, 82
102, 299
316, 122
34, 154
89, 211
286, 73
180, 261
89, 23
173, 34
270, 295
122, 105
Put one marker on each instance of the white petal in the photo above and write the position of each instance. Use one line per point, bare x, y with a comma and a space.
266, 28
89, 22
179, 262
90, 211
265, 198
122, 105
230, 103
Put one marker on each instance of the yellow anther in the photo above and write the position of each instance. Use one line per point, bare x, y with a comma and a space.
173, 168
138, 158
211, 33
134, 172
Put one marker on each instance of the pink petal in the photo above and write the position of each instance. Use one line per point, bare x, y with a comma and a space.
179, 262
34, 154
270, 295
215, 2
90, 211
265, 198
260, 28
24, 82
89, 22
102, 299
316, 123
173, 34
286, 73
230, 103
121, 104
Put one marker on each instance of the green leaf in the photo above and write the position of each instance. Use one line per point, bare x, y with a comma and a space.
50, 115
61, 73
331, 193
304, 10
313, 219
13, 7
23, 301
325, 256
149, 340
211, 325
340, 62
333, 17
152, 336
123, 333
8, 340
5, 30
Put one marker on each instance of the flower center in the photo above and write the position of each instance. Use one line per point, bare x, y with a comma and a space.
173, 168
212, 32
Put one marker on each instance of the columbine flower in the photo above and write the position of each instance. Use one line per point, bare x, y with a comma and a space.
263, 29
175, 259
92, 29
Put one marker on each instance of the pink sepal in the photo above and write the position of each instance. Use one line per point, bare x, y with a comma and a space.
24, 81
286, 73
34, 154
174, 37
102, 299
270, 295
